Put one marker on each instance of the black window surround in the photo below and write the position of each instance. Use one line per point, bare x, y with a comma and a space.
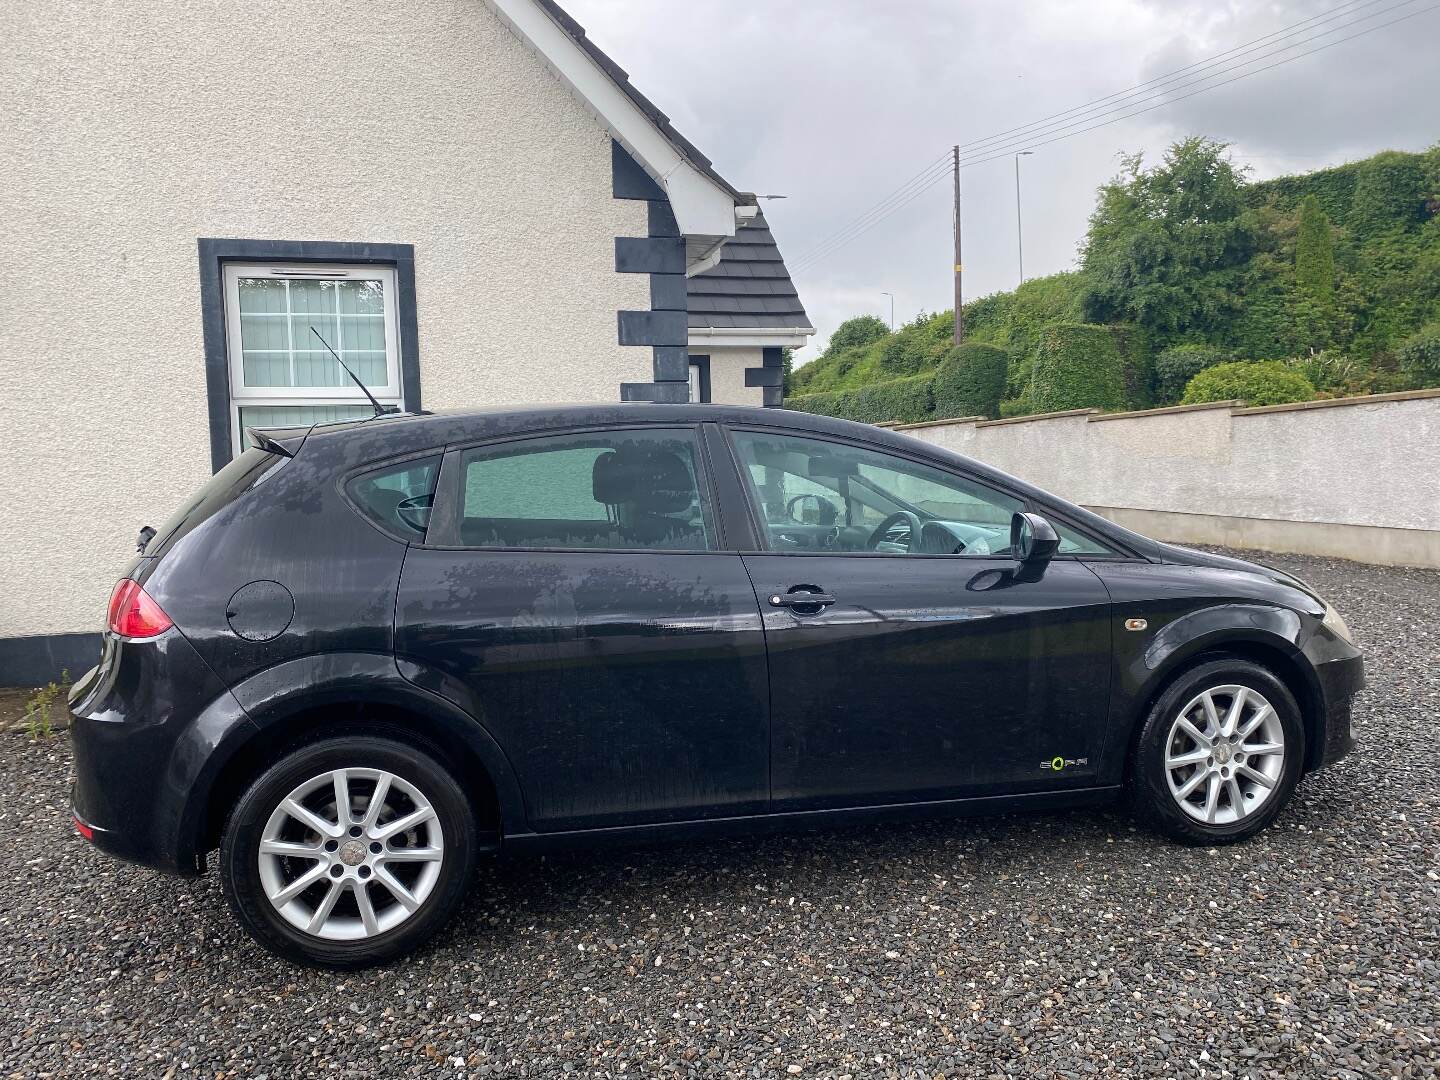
215, 252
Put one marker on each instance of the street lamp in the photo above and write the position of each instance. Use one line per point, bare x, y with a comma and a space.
892, 310
1019, 235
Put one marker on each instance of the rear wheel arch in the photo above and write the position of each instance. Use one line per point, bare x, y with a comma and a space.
460, 743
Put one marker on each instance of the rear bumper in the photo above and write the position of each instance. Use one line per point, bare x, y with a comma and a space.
146, 722
1340, 680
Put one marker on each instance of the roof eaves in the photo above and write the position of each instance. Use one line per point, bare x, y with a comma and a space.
621, 79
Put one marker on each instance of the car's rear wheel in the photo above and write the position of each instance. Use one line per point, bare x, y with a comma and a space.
348, 852
1219, 754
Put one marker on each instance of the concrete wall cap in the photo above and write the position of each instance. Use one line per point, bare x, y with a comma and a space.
1236, 404
1331, 403
1037, 416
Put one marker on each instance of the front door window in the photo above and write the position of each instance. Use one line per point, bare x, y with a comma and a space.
816, 495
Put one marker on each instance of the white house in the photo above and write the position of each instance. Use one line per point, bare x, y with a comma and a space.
466, 198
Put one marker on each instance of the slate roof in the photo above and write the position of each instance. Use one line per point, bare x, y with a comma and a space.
621, 79
749, 286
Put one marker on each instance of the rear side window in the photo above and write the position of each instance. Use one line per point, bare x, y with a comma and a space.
398, 497
635, 490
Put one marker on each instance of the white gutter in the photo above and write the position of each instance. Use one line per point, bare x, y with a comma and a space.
794, 337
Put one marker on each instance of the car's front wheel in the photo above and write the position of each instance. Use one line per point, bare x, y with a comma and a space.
348, 852
1219, 754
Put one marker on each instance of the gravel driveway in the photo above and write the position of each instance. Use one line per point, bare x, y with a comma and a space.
1063, 944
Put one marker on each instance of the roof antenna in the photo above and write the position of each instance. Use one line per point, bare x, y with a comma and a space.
379, 409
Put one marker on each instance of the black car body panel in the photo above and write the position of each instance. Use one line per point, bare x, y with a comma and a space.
930, 680
153, 725
625, 688
604, 694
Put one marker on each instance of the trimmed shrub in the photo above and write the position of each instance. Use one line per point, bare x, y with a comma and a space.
1389, 193
900, 400
1256, 382
970, 381
825, 404
1419, 357
1177, 365
896, 400
1315, 253
1077, 366
1138, 364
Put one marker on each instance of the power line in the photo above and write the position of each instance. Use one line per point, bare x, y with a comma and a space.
1325, 16
942, 160
1171, 101
1185, 84
934, 170
860, 226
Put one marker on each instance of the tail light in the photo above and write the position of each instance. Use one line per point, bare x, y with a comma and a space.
133, 614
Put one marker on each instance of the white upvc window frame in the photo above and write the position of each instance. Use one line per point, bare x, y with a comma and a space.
241, 395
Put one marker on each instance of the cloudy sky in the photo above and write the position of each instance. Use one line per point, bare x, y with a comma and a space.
837, 103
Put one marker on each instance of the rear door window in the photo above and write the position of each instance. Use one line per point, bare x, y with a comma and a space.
398, 498
627, 490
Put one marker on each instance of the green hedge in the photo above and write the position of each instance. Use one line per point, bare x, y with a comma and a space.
1256, 382
1177, 365
1077, 366
897, 400
970, 381
1419, 357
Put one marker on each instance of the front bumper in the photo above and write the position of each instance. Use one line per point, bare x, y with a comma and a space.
1340, 680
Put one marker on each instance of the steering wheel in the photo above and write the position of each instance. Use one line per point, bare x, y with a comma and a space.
878, 536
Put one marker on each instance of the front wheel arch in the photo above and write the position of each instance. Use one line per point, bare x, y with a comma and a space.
1277, 656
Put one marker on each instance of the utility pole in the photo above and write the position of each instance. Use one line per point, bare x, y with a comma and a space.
959, 266
1019, 236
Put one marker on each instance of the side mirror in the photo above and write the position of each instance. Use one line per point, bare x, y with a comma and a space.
1033, 540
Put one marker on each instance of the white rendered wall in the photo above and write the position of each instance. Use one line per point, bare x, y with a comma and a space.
1356, 479
727, 376
132, 129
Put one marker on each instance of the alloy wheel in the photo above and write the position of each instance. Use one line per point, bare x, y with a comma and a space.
1225, 754
351, 854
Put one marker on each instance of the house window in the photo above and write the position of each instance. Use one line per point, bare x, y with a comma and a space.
282, 321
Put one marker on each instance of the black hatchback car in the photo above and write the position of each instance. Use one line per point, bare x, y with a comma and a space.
367, 653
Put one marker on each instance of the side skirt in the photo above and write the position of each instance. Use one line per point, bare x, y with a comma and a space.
669, 831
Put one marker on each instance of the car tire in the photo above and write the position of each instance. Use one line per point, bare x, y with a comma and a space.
377, 885
1185, 749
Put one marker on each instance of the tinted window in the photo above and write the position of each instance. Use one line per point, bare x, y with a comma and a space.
624, 489
398, 498
815, 494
